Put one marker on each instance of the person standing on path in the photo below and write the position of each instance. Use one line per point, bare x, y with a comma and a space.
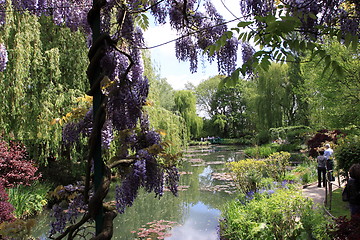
329, 161
351, 191
321, 169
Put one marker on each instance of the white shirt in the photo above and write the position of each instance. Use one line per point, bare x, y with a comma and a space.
328, 152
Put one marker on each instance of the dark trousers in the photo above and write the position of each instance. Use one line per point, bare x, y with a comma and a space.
321, 176
354, 209
330, 167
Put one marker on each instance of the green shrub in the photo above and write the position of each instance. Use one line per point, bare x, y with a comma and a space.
292, 134
261, 151
290, 147
285, 214
248, 173
304, 173
263, 137
298, 158
246, 140
28, 200
348, 152
276, 165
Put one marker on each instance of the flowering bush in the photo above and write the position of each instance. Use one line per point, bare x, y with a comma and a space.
248, 173
276, 164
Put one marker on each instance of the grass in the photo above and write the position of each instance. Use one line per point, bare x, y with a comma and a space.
338, 206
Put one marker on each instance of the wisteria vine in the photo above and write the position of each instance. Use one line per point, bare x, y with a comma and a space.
116, 68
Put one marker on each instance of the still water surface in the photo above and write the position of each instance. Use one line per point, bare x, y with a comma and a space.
195, 212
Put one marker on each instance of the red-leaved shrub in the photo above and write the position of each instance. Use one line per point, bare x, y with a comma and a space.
6, 208
15, 167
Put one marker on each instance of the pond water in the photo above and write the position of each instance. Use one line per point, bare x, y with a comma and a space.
204, 187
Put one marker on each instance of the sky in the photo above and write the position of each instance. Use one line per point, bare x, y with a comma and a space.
163, 57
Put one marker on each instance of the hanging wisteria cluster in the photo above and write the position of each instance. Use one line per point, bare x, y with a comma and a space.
192, 43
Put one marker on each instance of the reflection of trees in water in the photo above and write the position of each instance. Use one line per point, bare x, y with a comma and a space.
205, 178
147, 208
203, 186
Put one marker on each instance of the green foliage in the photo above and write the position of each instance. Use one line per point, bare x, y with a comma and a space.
297, 157
205, 93
248, 173
276, 36
263, 137
289, 147
46, 72
219, 123
28, 200
228, 111
347, 152
246, 140
338, 206
332, 98
185, 104
18, 229
304, 173
271, 101
172, 127
285, 214
276, 165
262, 151
291, 134
161, 92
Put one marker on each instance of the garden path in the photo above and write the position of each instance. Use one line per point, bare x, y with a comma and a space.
318, 193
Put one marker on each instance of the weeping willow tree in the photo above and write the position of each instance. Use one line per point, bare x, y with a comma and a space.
271, 96
45, 73
185, 105
161, 97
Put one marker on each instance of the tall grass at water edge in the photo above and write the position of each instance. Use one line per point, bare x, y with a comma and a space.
260, 151
28, 200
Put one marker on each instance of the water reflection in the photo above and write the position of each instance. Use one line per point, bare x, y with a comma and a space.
204, 188
201, 224
205, 177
